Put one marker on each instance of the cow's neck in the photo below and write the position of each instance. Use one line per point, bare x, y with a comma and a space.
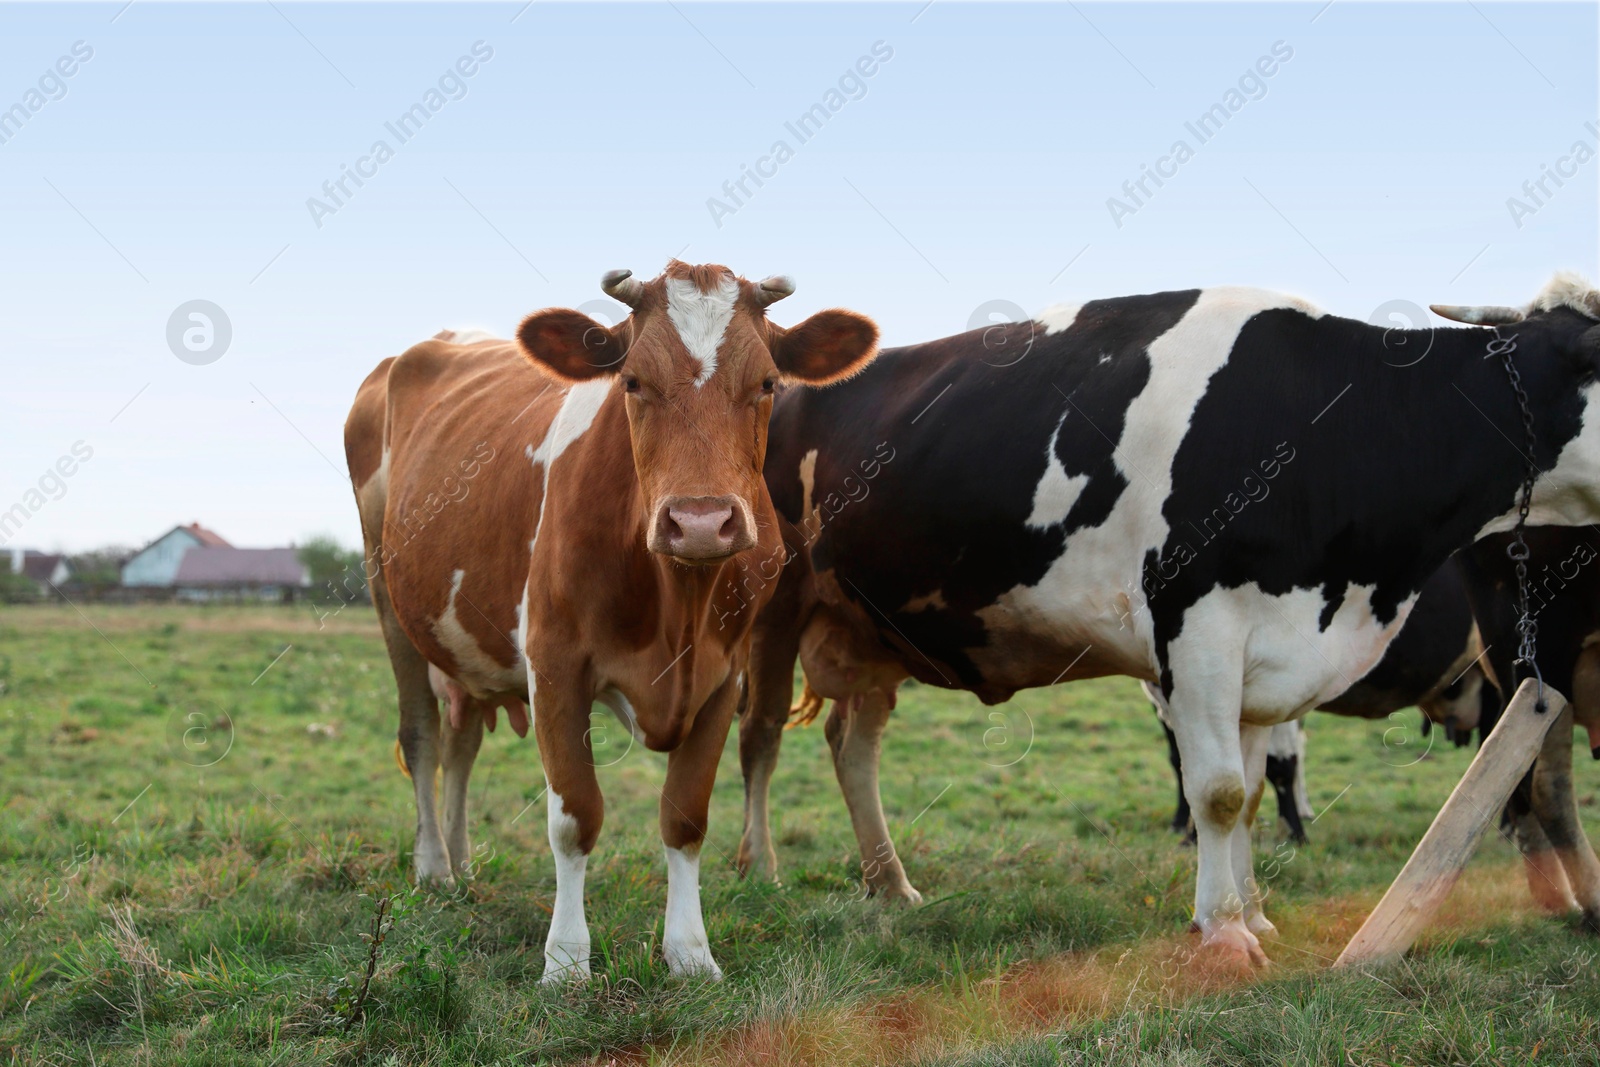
1466, 466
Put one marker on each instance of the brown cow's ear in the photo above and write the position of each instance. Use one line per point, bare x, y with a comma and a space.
570, 346
828, 346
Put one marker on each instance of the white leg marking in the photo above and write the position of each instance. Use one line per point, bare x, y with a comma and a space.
1253, 743
685, 945
1207, 679
566, 950
1302, 797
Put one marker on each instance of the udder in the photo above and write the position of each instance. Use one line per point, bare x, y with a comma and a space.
462, 706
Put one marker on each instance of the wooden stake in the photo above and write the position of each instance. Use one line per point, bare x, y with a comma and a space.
1475, 803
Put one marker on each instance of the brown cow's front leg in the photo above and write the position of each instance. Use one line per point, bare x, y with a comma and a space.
854, 734
575, 810
685, 801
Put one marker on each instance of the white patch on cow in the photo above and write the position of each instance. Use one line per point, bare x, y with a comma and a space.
578, 410
702, 319
1093, 592
379, 482
1569, 493
684, 941
928, 601
566, 949
808, 483
476, 671
1290, 664
1058, 317
612, 698
471, 335
1057, 491
522, 641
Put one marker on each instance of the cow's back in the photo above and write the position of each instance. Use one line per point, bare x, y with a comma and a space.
438, 443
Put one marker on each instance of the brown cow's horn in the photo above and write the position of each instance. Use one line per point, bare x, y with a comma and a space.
773, 289
622, 285
1486, 315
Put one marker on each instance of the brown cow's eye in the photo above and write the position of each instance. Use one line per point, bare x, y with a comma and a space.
768, 385
630, 384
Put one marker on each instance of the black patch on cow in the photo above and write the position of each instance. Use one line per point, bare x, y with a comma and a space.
1385, 470
969, 420
1427, 646
1563, 590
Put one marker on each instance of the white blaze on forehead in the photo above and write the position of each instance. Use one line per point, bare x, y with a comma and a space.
701, 319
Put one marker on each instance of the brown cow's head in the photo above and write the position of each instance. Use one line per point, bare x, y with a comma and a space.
698, 362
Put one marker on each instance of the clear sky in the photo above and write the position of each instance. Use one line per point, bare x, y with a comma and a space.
974, 163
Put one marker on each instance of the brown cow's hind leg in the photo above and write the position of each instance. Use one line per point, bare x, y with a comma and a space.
460, 750
855, 730
769, 690
419, 736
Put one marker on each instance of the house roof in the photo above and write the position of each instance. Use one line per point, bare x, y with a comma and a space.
209, 538
230, 566
40, 565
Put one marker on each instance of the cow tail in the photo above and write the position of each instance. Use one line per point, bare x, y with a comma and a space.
805, 712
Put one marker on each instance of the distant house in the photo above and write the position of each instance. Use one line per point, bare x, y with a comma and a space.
212, 573
156, 564
44, 569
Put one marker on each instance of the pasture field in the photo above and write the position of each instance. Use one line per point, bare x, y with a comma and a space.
202, 817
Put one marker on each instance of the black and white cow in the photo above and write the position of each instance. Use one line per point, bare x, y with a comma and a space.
1432, 664
1225, 491
1564, 593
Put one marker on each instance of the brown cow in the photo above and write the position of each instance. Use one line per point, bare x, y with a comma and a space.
579, 535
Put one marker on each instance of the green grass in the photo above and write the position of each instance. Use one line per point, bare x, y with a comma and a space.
198, 826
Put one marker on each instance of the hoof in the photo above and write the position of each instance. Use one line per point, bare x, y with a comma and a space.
1231, 946
564, 971
1548, 883
692, 962
436, 879
899, 893
758, 865
1260, 925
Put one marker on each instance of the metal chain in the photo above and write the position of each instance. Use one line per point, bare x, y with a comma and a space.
1517, 550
